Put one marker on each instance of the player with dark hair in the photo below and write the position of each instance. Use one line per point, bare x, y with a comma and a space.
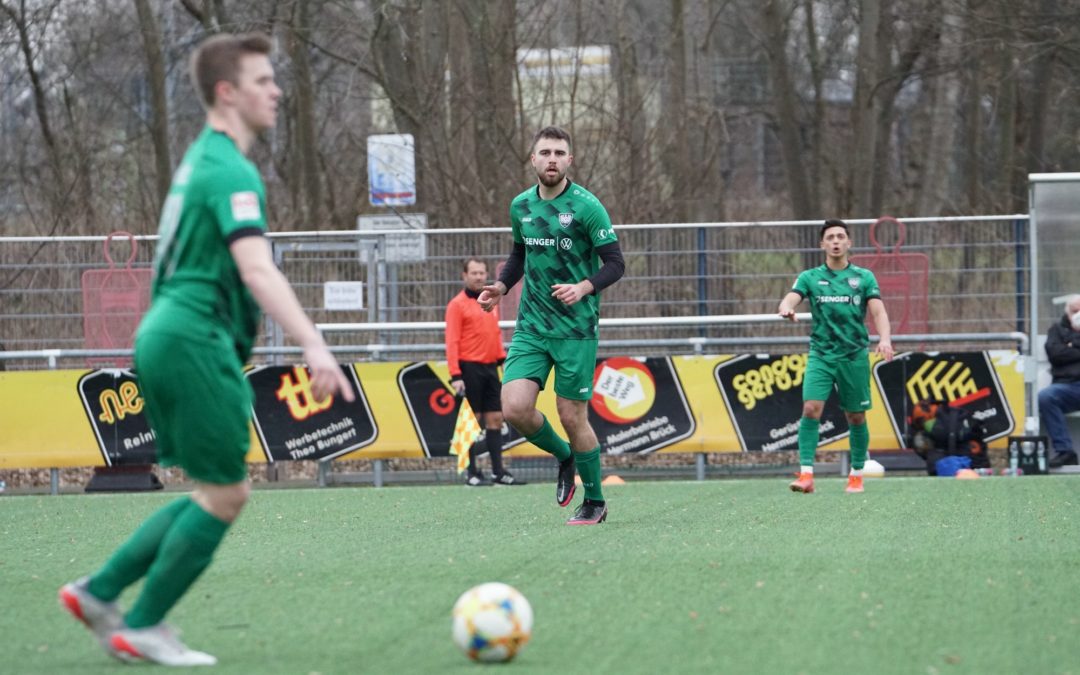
561, 234
213, 270
474, 350
840, 295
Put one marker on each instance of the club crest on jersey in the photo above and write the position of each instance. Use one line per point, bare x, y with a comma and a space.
853, 282
565, 219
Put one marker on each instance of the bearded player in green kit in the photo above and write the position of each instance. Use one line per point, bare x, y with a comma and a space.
213, 270
562, 233
840, 295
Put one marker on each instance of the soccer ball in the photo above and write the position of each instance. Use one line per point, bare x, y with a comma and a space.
873, 469
492, 622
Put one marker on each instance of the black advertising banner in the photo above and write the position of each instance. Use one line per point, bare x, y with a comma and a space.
638, 405
433, 409
114, 408
291, 424
962, 379
763, 395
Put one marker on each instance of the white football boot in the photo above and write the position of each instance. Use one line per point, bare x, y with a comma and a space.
102, 618
158, 644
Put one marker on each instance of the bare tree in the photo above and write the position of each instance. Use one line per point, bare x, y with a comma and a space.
159, 121
775, 15
630, 131
675, 141
306, 178
209, 13
704, 108
408, 48
943, 98
24, 24
864, 109
492, 63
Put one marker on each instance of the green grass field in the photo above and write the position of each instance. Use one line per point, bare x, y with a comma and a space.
918, 575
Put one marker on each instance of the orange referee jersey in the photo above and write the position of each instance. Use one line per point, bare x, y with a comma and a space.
471, 333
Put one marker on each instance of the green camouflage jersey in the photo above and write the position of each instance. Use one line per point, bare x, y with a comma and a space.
561, 236
216, 198
838, 304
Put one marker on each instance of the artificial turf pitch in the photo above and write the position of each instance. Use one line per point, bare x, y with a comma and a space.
917, 575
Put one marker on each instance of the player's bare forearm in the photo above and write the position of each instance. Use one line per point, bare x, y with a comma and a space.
788, 305
276, 297
272, 291
881, 325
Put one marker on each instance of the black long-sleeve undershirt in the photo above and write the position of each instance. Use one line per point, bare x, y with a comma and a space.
514, 268
611, 271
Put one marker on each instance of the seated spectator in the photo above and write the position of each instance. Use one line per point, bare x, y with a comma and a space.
1063, 394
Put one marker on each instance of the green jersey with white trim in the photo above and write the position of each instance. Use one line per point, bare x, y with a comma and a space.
561, 236
217, 197
838, 304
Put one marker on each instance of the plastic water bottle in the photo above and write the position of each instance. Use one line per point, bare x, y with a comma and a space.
3, 485
985, 472
1012, 471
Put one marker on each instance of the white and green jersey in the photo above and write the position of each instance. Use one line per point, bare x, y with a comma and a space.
217, 197
838, 304
561, 236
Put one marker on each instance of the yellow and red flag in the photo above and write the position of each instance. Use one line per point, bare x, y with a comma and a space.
466, 431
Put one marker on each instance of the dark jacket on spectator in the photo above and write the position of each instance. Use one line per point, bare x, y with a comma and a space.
1063, 350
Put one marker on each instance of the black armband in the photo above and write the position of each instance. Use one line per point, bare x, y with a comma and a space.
613, 267
514, 268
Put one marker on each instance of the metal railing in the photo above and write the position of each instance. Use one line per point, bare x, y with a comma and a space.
978, 276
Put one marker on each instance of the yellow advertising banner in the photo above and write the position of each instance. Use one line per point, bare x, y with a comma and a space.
720, 403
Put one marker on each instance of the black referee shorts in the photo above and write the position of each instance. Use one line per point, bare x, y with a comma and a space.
483, 388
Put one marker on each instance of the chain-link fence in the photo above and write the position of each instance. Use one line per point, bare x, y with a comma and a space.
976, 279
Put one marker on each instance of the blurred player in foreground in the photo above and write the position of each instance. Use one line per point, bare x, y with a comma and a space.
213, 270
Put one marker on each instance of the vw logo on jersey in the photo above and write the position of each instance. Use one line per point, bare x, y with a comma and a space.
565, 219
565, 243
853, 282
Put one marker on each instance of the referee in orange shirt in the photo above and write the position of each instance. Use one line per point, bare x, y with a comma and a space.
474, 351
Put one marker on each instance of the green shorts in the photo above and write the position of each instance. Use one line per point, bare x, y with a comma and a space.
197, 402
851, 379
531, 357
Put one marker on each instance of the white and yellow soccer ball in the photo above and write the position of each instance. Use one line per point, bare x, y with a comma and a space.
492, 622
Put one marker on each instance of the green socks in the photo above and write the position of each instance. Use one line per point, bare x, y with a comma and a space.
808, 440
588, 467
547, 440
185, 551
171, 548
860, 445
587, 463
131, 561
